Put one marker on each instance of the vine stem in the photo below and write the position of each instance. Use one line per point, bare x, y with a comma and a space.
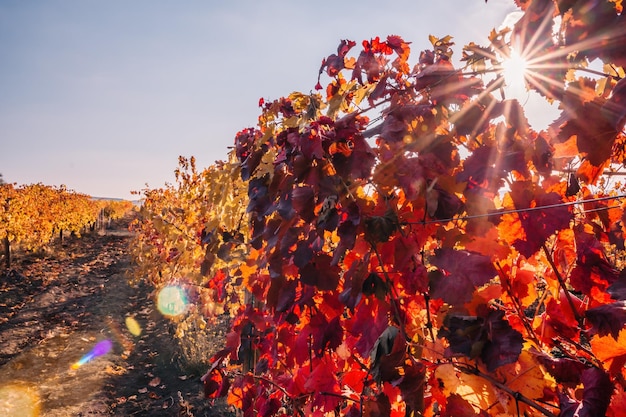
559, 277
429, 322
514, 394
392, 294
518, 309
262, 378
343, 397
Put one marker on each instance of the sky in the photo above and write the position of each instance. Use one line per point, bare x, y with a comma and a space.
103, 96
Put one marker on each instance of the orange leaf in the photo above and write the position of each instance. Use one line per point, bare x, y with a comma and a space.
235, 397
611, 352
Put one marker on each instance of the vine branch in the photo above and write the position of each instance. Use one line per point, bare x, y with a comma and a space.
514, 394
562, 284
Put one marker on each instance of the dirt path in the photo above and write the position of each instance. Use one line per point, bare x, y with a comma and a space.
55, 309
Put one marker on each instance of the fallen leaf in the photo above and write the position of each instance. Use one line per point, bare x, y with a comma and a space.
114, 370
155, 381
142, 390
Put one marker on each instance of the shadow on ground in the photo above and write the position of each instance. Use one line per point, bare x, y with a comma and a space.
54, 309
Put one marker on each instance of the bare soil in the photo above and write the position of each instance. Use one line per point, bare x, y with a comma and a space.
55, 307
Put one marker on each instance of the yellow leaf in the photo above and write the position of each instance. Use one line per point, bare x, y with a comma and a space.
475, 390
267, 164
247, 271
361, 93
526, 377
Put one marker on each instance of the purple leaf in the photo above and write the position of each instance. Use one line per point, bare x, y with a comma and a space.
462, 272
597, 393
607, 319
505, 343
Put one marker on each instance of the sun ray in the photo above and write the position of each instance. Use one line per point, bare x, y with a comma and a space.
535, 43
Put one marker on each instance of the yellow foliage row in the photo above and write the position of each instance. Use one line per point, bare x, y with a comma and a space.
31, 215
116, 209
182, 233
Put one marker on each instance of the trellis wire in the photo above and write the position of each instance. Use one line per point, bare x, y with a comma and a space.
529, 209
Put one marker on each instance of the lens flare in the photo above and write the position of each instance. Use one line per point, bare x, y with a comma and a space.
19, 400
172, 301
133, 327
101, 348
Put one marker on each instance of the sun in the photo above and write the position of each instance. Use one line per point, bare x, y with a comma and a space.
515, 71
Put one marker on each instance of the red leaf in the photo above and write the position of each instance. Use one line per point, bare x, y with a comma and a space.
457, 406
323, 379
412, 386
355, 411
344, 47
560, 318
399, 119
596, 28
475, 116
594, 134
215, 385
538, 225
442, 204
268, 406
359, 163
592, 268
353, 282
462, 272
347, 230
378, 407
373, 65
331, 338
308, 143
336, 62
483, 169
456, 89
369, 321
285, 294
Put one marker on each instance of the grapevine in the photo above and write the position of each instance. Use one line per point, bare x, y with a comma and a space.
412, 246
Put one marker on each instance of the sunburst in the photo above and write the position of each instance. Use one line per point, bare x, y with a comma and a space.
515, 70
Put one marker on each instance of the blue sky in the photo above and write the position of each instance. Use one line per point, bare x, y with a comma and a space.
103, 96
